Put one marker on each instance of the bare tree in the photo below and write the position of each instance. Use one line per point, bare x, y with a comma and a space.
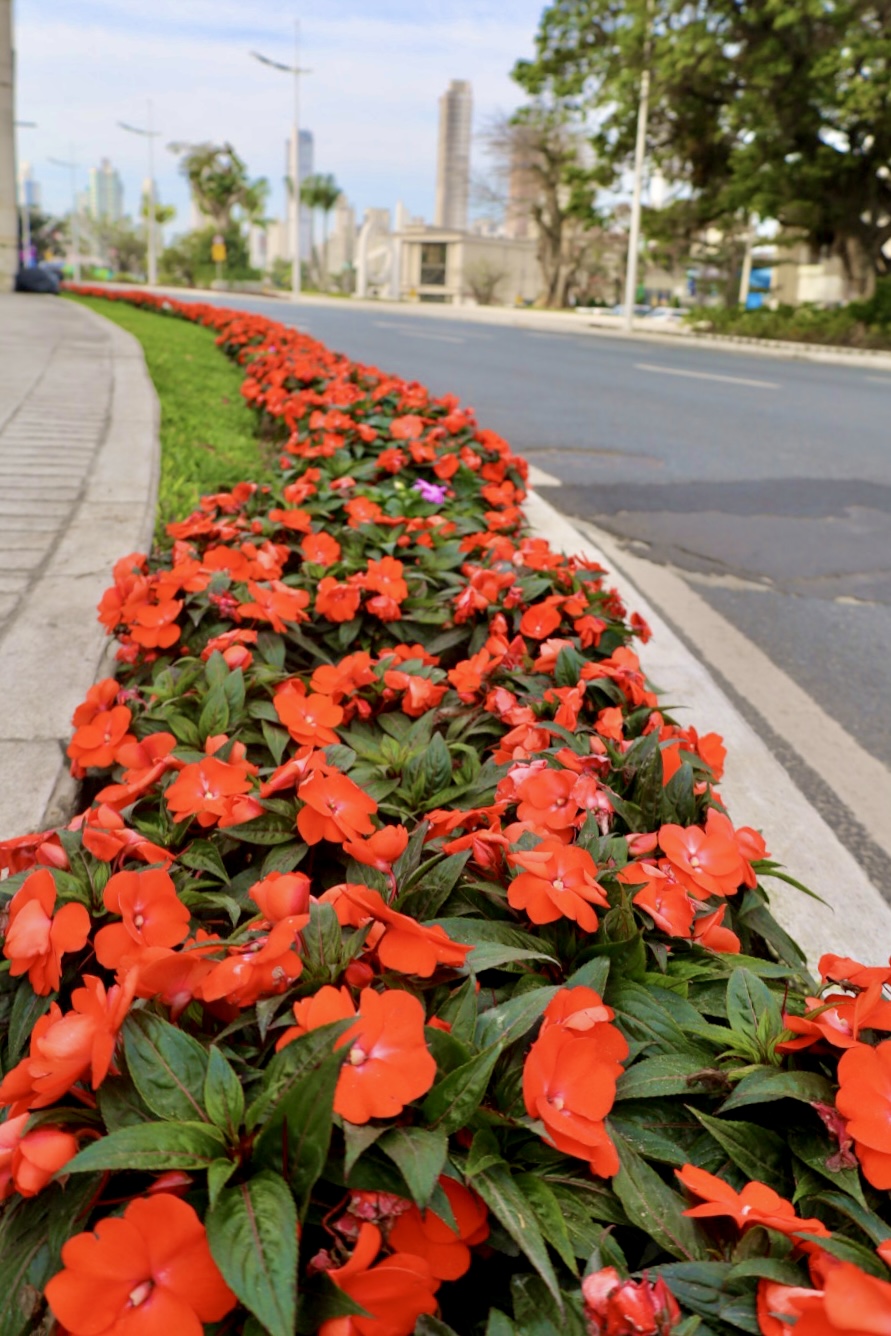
547, 191
484, 278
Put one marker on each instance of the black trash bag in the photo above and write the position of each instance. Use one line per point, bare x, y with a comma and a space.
37, 279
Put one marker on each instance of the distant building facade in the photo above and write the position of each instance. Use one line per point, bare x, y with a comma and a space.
29, 189
305, 156
105, 193
453, 156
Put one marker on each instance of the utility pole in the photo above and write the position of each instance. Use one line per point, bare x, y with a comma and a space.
745, 281
640, 148
71, 164
294, 155
9, 230
151, 220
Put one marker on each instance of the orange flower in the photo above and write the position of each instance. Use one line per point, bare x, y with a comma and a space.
394, 1293
106, 834
320, 548
276, 603
842, 969
264, 967
337, 601
94, 744
664, 899
30, 1160
36, 939
864, 1098
334, 808
420, 694
381, 849
152, 914
310, 719
838, 1019
389, 1064
707, 861
206, 789
146, 1273
569, 1083
708, 930
539, 621
757, 1204
852, 1303
616, 1307
445, 1250
69, 1048
281, 894
560, 881
406, 945
153, 625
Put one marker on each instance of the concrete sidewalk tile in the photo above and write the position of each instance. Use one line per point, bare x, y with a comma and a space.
30, 774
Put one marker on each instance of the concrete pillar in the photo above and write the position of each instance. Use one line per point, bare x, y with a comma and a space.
8, 209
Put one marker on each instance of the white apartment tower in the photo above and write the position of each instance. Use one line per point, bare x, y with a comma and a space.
453, 157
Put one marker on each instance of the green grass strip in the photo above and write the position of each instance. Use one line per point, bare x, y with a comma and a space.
209, 437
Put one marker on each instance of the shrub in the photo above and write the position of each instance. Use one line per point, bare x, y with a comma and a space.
404, 972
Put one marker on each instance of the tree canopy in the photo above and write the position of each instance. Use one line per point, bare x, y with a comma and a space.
777, 107
220, 185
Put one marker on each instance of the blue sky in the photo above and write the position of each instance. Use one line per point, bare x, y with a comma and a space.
371, 100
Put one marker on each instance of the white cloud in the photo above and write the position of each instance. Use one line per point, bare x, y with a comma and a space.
371, 100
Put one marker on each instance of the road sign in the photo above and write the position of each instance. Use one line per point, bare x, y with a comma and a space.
218, 250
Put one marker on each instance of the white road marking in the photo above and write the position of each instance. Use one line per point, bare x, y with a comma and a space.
417, 333
705, 375
538, 478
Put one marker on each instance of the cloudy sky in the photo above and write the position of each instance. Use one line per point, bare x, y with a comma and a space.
378, 68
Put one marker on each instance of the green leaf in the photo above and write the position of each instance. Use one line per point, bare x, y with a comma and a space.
430, 885
218, 1175
514, 1018
757, 1151
455, 1099
27, 1008
166, 1145
814, 1150
767, 1268
748, 1001
551, 1222
120, 1103
769, 1083
509, 1206
849, 1250
652, 1078
654, 1207
872, 1225
223, 1094
296, 1131
205, 857
214, 716
357, 1141
499, 1325
703, 1287
420, 1155
593, 974
167, 1065
252, 1233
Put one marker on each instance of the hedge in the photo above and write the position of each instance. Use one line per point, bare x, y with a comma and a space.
403, 971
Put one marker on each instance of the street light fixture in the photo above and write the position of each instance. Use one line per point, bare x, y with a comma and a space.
26, 206
72, 166
295, 153
150, 135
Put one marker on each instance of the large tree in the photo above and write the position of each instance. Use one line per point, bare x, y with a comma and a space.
220, 185
540, 155
321, 191
778, 107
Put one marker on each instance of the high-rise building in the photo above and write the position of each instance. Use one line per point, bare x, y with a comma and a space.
29, 189
304, 169
106, 193
453, 156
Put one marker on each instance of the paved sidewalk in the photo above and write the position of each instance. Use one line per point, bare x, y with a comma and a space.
78, 483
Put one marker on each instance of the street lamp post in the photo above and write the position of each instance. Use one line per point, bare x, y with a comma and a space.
643, 108
294, 167
72, 165
151, 221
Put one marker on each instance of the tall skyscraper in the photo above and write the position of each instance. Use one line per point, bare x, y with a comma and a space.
453, 156
304, 169
29, 189
106, 192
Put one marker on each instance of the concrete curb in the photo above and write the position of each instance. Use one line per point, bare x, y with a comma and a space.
115, 515
854, 919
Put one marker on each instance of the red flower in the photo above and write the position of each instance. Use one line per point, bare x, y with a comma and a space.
209, 790
389, 1064
320, 548
335, 808
394, 1293
864, 1098
152, 914
560, 881
30, 1160
146, 1273
94, 744
757, 1204
837, 1019
69, 1048
405, 945
539, 621
281, 894
36, 939
852, 1303
707, 861
445, 1250
310, 719
616, 1307
337, 601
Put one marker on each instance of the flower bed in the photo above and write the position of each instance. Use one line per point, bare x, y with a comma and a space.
404, 971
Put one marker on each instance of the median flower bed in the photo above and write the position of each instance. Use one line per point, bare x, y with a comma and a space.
403, 971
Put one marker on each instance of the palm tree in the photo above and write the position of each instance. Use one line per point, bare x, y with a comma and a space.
219, 182
321, 191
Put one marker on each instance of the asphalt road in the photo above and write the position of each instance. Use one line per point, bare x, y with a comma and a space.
764, 482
